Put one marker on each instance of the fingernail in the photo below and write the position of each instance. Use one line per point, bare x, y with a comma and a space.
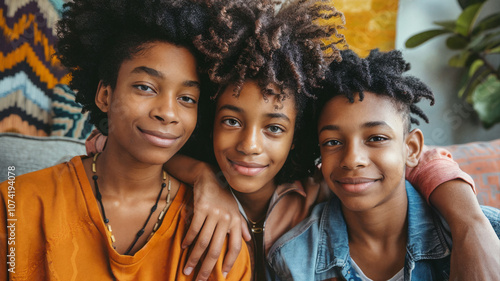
225, 274
188, 270
183, 246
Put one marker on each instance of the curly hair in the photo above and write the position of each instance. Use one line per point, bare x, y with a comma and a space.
380, 73
285, 47
96, 36
251, 39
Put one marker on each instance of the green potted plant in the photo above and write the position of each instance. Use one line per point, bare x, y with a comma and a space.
476, 42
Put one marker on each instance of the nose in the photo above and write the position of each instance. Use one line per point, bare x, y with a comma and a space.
354, 157
165, 109
250, 142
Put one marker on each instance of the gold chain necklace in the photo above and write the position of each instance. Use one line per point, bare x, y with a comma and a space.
257, 226
153, 209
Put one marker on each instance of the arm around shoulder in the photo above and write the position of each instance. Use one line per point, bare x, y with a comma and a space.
435, 167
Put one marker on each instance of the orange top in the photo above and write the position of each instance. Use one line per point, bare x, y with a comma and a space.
57, 233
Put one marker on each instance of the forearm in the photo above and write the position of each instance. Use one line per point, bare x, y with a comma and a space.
187, 169
474, 255
457, 203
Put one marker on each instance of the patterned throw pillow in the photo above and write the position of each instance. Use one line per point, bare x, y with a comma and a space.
67, 117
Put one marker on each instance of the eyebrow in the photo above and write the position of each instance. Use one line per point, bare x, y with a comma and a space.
231, 107
240, 110
155, 73
375, 124
191, 83
365, 125
149, 71
278, 115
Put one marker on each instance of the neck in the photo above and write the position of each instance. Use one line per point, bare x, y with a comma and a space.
382, 224
256, 203
121, 175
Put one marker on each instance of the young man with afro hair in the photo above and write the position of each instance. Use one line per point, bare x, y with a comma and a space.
118, 215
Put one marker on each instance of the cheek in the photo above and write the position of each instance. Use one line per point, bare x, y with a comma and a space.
327, 165
278, 149
281, 153
189, 119
120, 108
222, 140
391, 160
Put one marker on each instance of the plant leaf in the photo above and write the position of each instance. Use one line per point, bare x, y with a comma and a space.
448, 25
494, 50
490, 22
466, 3
422, 37
486, 101
467, 18
459, 60
475, 66
456, 42
475, 75
482, 42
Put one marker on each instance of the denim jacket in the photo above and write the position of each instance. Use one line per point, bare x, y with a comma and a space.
318, 249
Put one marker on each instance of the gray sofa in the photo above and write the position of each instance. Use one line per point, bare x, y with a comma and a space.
30, 153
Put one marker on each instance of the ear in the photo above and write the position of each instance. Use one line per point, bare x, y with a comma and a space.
414, 143
103, 97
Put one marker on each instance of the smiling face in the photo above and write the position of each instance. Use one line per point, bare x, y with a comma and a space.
153, 108
252, 137
364, 150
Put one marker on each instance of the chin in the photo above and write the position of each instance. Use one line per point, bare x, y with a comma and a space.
243, 186
156, 158
357, 204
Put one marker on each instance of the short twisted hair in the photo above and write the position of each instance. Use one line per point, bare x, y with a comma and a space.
96, 36
380, 73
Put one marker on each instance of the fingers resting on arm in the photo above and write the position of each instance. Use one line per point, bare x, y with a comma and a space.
215, 216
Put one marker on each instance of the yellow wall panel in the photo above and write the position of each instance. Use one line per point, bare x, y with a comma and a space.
369, 24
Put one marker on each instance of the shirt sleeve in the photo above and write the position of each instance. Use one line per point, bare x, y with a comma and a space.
436, 166
95, 142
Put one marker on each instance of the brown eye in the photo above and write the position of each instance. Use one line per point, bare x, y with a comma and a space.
231, 122
275, 129
188, 99
377, 139
143, 88
332, 143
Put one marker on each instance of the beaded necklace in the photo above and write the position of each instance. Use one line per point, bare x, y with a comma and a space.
153, 209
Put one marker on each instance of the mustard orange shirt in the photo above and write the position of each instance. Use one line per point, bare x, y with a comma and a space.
53, 231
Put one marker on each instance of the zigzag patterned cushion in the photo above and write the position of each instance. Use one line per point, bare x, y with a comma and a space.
28, 69
67, 119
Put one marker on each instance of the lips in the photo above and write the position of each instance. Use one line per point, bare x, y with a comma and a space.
355, 185
159, 138
247, 168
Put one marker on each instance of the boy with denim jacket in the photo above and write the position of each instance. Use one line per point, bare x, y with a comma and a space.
377, 227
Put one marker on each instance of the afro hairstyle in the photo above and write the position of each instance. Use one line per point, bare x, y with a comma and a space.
96, 36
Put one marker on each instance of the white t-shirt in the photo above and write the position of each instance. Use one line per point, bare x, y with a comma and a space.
397, 277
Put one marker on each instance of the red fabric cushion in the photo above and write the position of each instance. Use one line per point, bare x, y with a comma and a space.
481, 160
